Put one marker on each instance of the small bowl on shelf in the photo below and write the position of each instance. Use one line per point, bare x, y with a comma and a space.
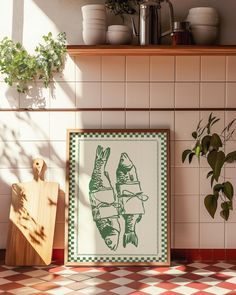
119, 35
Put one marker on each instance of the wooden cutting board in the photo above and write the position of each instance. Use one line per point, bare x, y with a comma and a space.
32, 220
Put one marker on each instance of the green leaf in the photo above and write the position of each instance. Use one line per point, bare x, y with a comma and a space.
209, 174
228, 190
210, 202
216, 161
194, 134
215, 142
225, 214
185, 154
197, 150
231, 157
206, 144
218, 187
190, 157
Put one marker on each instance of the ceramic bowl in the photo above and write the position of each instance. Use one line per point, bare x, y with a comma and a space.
204, 35
94, 14
93, 7
119, 28
200, 10
94, 26
119, 37
94, 22
203, 19
94, 36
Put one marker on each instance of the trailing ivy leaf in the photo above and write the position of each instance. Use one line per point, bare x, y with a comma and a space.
215, 142
194, 134
226, 206
228, 190
209, 174
216, 161
197, 149
185, 154
206, 144
225, 214
218, 187
190, 157
210, 202
231, 157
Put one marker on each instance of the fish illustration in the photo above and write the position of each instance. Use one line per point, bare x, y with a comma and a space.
130, 198
103, 200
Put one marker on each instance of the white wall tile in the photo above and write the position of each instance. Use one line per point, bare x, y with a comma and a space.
34, 126
162, 120
137, 68
113, 120
186, 181
184, 131
211, 235
187, 95
62, 95
181, 146
59, 123
113, 68
88, 68
187, 209
3, 238
230, 237
213, 68
186, 235
9, 96
113, 95
137, 95
231, 68
162, 95
212, 95
57, 151
137, 119
88, 95
162, 68
88, 120
205, 216
37, 96
231, 95
187, 68
10, 176
68, 73
20, 154
5, 208
9, 126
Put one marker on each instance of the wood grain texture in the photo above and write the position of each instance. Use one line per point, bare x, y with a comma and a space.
126, 50
32, 221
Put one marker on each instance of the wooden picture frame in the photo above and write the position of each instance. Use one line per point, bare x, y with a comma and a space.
118, 188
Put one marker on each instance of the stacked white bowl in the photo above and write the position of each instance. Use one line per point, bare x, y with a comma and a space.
204, 22
94, 24
119, 35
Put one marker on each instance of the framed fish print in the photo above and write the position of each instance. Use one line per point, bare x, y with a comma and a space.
118, 198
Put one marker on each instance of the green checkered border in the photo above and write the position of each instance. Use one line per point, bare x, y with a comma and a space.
74, 137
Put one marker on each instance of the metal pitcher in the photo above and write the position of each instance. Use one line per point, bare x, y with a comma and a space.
150, 31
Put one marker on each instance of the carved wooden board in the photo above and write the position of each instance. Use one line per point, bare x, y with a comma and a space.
32, 222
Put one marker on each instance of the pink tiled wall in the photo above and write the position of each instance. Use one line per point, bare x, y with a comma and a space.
119, 82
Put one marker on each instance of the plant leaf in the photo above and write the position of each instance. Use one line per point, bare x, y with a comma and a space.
210, 202
215, 142
218, 187
228, 190
231, 157
209, 174
216, 161
225, 214
185, 154
206, 144
194, 134
190, 157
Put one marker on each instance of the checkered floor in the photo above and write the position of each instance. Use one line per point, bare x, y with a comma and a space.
194, 278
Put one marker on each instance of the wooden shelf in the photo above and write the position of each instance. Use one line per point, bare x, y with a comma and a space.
107, 50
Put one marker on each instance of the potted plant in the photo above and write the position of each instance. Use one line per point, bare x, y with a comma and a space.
21, 68
210, 145
122, 7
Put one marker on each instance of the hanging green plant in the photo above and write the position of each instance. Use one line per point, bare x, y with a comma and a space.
211, 146
122, 7
21, 68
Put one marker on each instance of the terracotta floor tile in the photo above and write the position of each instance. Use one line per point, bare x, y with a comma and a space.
45, 286
17, 277
10, 286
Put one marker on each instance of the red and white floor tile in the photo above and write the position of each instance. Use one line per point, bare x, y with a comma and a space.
195, 278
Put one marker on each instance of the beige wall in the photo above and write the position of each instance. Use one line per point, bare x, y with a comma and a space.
115, 82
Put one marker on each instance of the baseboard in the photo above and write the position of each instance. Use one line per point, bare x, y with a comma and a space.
176, 254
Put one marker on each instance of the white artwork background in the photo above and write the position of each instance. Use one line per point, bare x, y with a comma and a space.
145, 155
